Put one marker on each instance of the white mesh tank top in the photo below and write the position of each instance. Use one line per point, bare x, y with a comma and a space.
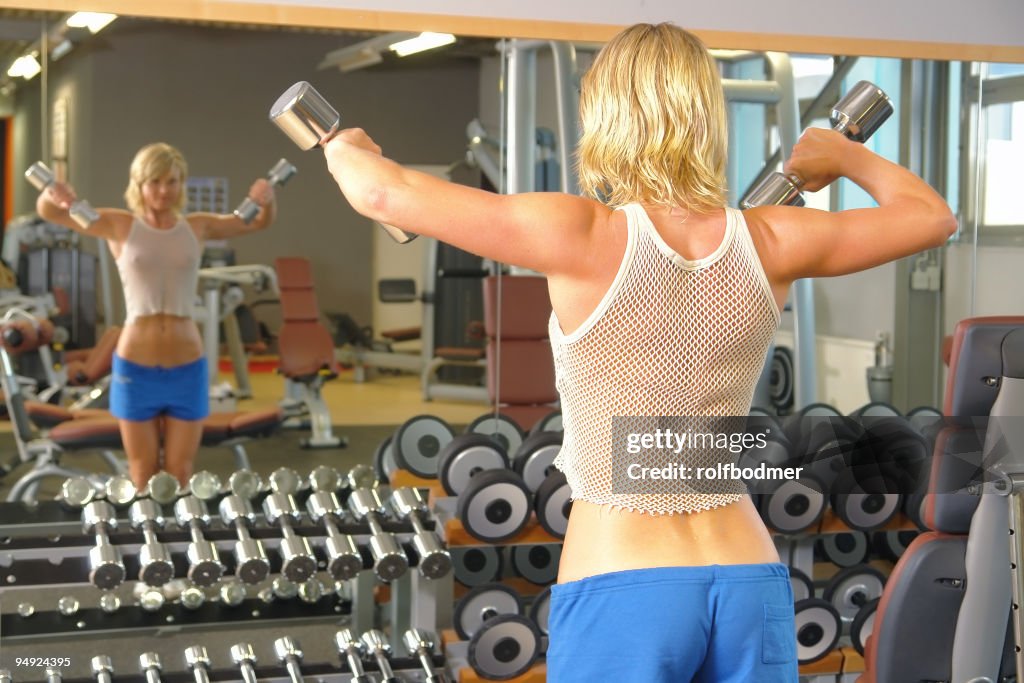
672, 343
159, 269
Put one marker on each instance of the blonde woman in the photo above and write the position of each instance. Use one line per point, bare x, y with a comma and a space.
665, 302
159, 388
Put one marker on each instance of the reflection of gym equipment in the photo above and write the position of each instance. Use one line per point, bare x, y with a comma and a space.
952, 589
51, 266
222, 300
450, 368
306, 351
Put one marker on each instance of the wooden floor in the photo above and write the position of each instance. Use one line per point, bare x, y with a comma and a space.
383, 400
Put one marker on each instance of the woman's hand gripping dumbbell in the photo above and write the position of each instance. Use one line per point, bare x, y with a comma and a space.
80, 210
814, 163
307, 118
277, 176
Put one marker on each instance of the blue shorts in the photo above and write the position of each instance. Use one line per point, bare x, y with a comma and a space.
143, 392
716, 624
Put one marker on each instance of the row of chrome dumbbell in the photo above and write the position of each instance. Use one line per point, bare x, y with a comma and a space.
363, 505
355, 652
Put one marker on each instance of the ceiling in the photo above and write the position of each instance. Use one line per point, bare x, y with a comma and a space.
21, 29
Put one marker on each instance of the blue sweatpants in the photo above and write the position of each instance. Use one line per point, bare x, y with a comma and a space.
716, 624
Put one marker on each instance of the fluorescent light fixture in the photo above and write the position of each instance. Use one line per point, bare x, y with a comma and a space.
61, 49
362, 54
424, 41
94, 21
26, 66
359, 59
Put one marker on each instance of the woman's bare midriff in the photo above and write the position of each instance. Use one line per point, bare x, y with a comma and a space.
160, 340
601, 539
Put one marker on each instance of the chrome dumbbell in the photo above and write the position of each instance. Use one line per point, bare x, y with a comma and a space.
307, 118
242, 654
149, 664
420, 643
377, 645
352, 650
435, 560
204, 565
198, 661
106, 570
253, 565
278, 175
297, 560
857, 115
163, 487
53, 675
119, 491
5, 676
102, 668
344, 560
289, 653
75, 493
389, 562
41, 177
155, 566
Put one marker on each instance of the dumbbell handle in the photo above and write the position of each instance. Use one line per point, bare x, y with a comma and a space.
310, 121
291, 663
355, 664
280, 174
201, 674
857, 115
103, 668
42, 177
242, 655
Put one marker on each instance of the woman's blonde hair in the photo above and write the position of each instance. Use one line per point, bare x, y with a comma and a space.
654, 122
150, 162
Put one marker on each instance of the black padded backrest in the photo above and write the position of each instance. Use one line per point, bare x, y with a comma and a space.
916, 618
956, 464
976, 357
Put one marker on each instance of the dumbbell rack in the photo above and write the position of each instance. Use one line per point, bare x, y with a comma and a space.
455, 535
407, 668
44, 545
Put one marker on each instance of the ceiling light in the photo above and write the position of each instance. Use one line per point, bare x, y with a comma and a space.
424, 41
61, 49
26, 66
359, 59
94, 21
361, 54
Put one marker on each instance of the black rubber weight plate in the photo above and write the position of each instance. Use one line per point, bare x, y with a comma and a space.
501, 428
495, 506
505, 647
418, 443
483, 603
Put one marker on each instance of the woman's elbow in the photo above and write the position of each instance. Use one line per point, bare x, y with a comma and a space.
376, 202
945, 225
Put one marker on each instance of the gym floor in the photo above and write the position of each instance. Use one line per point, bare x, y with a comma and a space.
365, 413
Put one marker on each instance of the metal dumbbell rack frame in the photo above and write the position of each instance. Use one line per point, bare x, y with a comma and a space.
46, 546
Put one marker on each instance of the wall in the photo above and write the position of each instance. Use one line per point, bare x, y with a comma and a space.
208, 92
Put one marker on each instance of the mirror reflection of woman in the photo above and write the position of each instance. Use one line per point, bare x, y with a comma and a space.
160, 379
